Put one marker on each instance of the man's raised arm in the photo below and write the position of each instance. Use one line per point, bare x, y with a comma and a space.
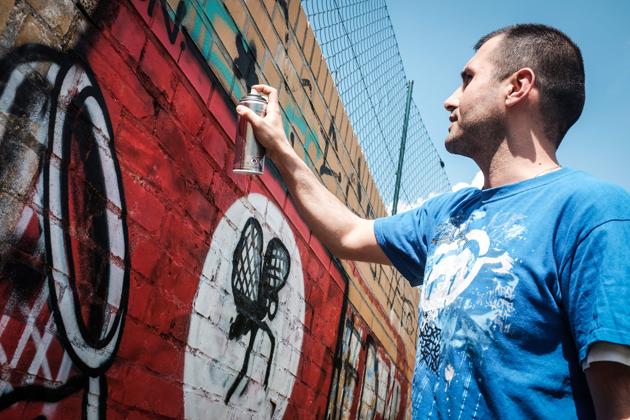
343, 232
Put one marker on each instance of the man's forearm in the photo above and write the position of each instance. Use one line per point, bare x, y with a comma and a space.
329, 219
344, 233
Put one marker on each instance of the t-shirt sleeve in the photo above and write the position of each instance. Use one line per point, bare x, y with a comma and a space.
401, 239
596, 287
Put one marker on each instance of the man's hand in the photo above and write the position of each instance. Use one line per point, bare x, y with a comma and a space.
268, 130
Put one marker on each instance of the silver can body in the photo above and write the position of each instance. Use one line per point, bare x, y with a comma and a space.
249, 155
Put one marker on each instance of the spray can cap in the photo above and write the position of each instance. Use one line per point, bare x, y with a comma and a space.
254, 95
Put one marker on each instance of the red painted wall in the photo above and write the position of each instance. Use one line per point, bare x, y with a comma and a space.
134, 188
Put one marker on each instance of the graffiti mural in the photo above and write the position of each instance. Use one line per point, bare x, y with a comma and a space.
71, 241
346, 374
251, 280
255, 287
366, 383
139, 277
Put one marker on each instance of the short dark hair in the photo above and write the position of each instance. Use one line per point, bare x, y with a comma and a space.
557, 64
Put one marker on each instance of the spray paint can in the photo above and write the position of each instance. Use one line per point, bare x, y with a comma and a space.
249, 156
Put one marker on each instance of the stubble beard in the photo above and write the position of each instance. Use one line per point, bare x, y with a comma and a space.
477, 139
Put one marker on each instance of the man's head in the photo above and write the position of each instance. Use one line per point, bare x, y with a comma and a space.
550, 61
557, 64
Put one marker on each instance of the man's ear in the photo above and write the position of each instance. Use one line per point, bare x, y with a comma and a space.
520, 85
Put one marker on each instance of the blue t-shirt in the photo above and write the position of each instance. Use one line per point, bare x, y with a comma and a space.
517, 282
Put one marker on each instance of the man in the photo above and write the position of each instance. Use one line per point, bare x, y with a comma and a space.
525, 283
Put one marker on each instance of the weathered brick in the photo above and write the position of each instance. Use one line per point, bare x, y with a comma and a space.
142, 7
196, 72
34, 32
231, 37
137, 149
173, 139
301, 95
201, 210
173, 45
269, 5
296, 220
301, 27
270, 71
271, 33
222, 193
274, 187
145, 208
341, 122
58, 15
295, 55
329, 90
201, 168
164, 358
145, 255
281, 25
188, 109
128, 32
316, 60
322, 75
237, 12
258, 13
117, 77
256, 44
156, 394
5, 11
319, 107
159, 70
225, 113
294, 10
308, 45
214, 142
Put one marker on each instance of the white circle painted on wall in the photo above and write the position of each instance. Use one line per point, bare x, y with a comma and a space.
247, 322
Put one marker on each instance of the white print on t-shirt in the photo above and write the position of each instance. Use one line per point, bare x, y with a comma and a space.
467, 302
455, 264
456, 268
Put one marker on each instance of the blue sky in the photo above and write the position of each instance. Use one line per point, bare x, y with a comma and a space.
436, 40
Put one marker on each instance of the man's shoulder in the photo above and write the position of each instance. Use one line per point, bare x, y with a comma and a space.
591, 200
587, 189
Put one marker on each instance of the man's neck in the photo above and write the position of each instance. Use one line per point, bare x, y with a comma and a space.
506, 167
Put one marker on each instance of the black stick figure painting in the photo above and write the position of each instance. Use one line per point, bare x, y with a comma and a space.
255, 287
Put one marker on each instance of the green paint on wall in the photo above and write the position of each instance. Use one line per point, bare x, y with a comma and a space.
207, 16
294, 115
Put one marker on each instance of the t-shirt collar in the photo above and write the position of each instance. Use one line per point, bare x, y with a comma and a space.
496, 193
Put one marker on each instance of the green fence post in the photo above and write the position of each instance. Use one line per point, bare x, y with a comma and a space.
403, 142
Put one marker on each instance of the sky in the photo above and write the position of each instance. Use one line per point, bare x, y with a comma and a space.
436, 39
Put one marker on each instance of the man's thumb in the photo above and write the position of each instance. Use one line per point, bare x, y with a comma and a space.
249, 115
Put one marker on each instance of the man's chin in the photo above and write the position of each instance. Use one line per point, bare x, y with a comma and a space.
455, 145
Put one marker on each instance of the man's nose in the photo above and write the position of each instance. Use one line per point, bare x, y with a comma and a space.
452, 102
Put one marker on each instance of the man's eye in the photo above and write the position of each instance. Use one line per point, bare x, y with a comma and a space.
466, 78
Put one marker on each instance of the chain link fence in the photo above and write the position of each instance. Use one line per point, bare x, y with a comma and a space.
360, 48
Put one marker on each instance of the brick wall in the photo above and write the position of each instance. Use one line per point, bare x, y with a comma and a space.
135, 267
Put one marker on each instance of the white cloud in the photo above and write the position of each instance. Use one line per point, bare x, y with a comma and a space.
403, 205
477, 182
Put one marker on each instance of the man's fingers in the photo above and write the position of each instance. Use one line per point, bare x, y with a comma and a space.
249, 115
272, 96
